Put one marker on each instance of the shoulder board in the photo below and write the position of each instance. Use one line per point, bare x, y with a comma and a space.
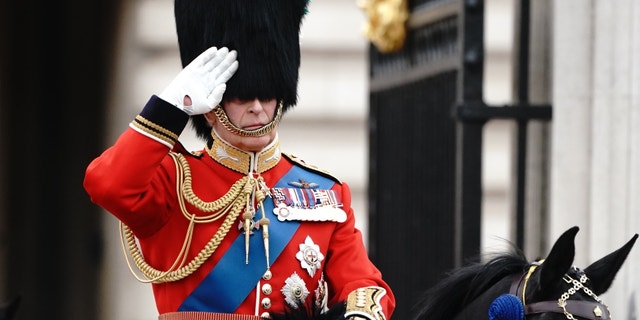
179, 148
310, 167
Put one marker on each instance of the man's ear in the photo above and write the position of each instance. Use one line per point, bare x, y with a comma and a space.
211, 117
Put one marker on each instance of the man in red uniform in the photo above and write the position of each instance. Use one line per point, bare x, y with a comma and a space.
237, 230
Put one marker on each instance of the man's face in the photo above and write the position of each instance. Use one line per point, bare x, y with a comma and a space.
247, 115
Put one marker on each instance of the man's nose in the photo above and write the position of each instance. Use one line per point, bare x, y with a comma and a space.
255, 105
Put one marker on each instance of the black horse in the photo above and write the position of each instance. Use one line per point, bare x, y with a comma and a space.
508, 287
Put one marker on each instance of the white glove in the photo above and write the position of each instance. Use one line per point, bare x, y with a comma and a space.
202, 82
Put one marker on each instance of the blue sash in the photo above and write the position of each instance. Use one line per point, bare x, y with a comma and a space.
231, 280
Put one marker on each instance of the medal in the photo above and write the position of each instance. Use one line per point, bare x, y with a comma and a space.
295, 290
310, 256
296, 204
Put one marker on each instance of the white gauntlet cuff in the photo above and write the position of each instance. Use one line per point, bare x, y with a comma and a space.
364, 303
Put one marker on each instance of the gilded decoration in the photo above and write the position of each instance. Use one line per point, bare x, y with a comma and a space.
386, 27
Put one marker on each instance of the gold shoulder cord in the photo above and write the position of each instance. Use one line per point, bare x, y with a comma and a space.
231, 203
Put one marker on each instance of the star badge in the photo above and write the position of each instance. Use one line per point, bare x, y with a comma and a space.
310, 256
295, 290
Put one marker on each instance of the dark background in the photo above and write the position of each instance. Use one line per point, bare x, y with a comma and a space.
55, 62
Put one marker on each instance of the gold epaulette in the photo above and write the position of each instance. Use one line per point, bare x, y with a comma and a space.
313, 168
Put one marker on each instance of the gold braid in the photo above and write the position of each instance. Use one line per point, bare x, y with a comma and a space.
232, 203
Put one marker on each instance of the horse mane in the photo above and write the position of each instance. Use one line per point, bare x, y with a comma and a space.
463, 285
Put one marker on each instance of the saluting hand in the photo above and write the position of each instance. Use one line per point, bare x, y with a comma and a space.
199, 87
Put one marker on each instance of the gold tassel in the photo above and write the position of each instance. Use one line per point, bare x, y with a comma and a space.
264, 223
248, 217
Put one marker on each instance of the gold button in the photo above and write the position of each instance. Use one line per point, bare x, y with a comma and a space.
265, 315
267, 275
266, 289
266, 303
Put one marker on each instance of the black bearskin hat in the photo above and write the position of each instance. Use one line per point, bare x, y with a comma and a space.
265, 34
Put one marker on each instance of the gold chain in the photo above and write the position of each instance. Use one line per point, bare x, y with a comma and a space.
577, 286
243, 186
224, 120
231, 204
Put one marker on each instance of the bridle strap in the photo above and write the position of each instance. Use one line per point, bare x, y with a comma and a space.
515, 285
584, 309
591, 310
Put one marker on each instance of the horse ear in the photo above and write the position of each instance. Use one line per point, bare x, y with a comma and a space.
559, 259
603, 271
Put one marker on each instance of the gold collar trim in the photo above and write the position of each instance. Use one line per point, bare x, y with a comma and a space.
243, 161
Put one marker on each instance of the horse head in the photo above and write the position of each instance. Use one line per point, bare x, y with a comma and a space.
508, 287
552, 288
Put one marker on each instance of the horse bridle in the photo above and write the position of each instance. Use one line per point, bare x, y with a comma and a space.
592, 310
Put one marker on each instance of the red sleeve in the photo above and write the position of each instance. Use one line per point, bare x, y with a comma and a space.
348, 266
134, 179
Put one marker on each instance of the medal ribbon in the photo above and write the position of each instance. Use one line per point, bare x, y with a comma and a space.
311, 198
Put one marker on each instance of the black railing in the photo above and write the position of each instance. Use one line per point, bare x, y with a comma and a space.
427, 115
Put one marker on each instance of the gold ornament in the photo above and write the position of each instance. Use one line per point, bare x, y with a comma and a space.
241, 194
386, 27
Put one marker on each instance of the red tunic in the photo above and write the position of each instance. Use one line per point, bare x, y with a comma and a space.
135, 180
